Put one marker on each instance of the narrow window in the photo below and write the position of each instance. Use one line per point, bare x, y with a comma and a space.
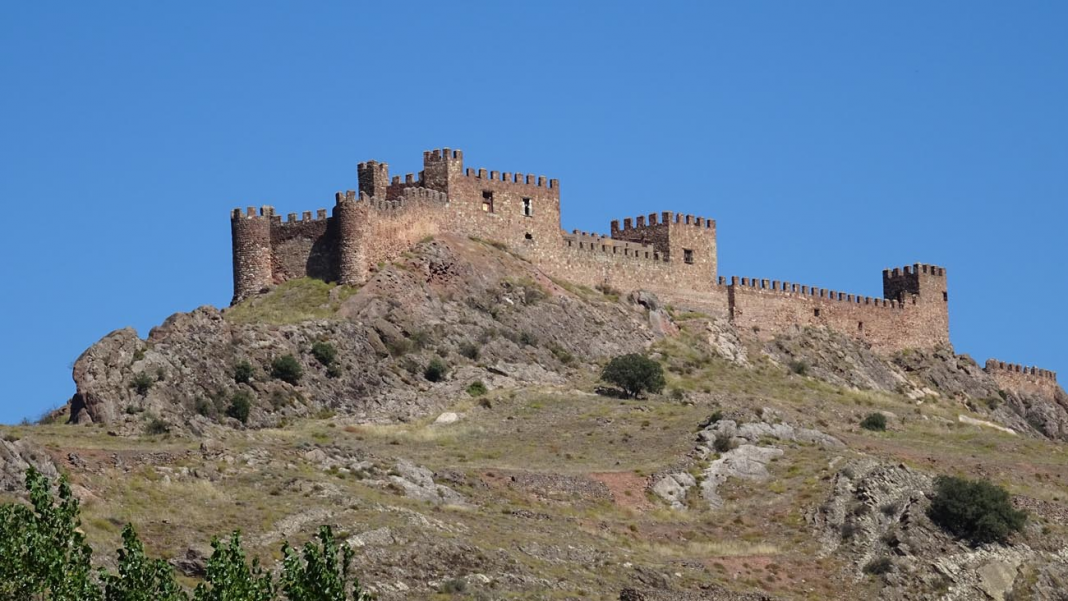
945, 297
860, 326
816, 312
687, 256
527, 209
487, 201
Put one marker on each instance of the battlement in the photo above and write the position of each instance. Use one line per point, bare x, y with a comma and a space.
800, 290
593, 242
915, 269
443, 154
266, 211
305, 217
993, 366
670, 253
513, 178
664, 218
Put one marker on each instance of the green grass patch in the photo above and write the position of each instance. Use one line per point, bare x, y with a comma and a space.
291, 302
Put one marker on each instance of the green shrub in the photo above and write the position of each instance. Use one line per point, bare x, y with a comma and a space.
243, 372
469, 350
420, 339
975, 510
435, 370
876, 422
477, 388
561, 354
722, 443
142, 383
453, 586
635, 374
204, 407
334, 371
528, 339
240, 406
287, 369
877, 567
157, 426
324, 353
799, 367
398, 347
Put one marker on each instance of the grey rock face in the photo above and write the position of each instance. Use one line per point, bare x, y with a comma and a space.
450, 294
15, 458
418, 483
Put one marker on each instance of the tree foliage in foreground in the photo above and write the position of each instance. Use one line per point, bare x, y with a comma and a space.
46, 558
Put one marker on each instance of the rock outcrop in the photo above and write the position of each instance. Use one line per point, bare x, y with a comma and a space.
487, 314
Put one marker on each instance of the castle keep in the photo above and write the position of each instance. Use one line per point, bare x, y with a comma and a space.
673, 255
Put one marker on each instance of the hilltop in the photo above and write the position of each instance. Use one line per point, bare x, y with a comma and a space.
449, 421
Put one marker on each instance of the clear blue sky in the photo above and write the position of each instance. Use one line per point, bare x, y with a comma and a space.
829, 140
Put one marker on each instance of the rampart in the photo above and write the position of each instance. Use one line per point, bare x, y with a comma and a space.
674, 255
1011, 376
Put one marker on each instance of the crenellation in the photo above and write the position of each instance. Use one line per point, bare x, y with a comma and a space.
673, 254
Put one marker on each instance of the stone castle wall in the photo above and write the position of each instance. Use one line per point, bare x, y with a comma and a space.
670, 254
1011, 376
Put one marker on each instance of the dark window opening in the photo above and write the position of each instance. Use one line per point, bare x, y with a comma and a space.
487, 201
816, 312
527, 209
860, 326
687, 256
945, 297
528, 236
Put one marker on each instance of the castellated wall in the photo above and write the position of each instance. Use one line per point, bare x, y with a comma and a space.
916, 318
670, 254
1010, 376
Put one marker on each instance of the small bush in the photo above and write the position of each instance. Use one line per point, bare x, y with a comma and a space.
334, 371
420, 339
878, 567
469, 350
398, 347
324, 353
240, 406
561, 354
975, 510
142, 383
635, 374
435, 370
453, 586
204, 407
477, 388
157, 426
485, 403
243, 372
876, 422
287, 369
528, 339
722, 443
799, 367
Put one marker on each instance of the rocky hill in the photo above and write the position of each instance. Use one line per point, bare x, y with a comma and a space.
448, 419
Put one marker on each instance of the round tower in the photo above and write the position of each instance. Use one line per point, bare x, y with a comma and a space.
351, 254
252, 251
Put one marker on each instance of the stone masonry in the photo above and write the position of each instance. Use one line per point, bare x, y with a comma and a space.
673, 255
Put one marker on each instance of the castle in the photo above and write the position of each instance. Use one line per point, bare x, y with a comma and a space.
670, 254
